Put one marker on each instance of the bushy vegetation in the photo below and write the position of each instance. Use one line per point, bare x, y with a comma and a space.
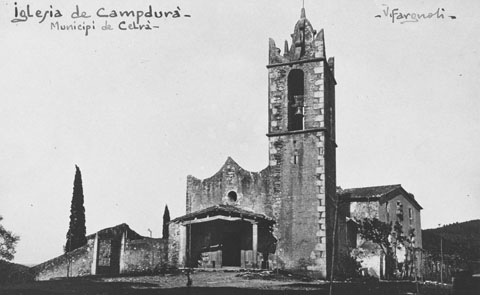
460, 241
8, 241
347, 267
386, 236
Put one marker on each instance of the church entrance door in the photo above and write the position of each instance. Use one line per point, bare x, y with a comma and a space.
231, 249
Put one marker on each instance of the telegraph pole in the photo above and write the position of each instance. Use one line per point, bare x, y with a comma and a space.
336, 204
441, 259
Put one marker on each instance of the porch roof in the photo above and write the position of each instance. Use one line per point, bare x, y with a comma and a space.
224, 210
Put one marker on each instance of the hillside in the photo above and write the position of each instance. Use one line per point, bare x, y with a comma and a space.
461, 242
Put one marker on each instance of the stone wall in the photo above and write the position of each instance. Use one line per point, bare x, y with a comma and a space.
174, 246
145, 255
73, 264
134, 254
250, 188
299, 198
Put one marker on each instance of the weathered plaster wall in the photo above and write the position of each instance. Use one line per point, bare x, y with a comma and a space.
175, 240
387, 210
135, 254
144, 255
251, 189
76, 263
404, 218
361, 210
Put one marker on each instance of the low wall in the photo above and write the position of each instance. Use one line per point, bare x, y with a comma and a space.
119, 250
145, 255
73, 264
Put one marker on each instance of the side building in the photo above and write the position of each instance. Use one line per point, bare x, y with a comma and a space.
389, 204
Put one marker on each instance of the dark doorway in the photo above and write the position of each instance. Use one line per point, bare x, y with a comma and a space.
108, 257
115, 257
231, 249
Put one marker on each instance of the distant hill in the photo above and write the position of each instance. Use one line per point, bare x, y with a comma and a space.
461, 242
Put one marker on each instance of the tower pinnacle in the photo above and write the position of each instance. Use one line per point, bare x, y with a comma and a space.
302, 13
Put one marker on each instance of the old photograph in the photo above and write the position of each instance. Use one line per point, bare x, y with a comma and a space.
249, 147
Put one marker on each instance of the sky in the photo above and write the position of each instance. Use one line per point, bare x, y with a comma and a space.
139, 110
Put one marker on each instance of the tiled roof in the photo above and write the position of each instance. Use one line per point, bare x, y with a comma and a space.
375, 193
367, 192
224, 210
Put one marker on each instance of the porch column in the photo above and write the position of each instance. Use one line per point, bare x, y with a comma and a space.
123, 246
182, 253
254, 243
93, 270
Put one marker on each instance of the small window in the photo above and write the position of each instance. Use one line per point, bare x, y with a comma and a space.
387, 211
399, 211
232, 196
410, 215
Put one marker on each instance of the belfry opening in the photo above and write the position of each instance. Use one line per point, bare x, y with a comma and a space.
295, 100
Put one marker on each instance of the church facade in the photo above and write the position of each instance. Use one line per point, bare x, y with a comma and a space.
284, 215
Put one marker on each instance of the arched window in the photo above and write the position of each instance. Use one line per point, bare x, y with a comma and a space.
295, 100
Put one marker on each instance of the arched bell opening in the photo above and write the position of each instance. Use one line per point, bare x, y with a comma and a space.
295, 100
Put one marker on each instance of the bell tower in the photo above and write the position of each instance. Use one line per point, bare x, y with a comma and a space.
301, 132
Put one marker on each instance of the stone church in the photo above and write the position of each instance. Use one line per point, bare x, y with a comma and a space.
282, 216
290, 215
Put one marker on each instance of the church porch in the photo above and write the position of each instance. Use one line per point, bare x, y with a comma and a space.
225, 236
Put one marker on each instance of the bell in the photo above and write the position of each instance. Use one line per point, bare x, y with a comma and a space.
299, 112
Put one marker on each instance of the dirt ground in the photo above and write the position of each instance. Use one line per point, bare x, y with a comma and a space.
208, 282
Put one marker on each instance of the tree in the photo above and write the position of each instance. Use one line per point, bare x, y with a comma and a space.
166, 220
76, 232
386, 236
8, 241
409, 268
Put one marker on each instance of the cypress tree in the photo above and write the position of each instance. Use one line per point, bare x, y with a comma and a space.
166, 220
77, 231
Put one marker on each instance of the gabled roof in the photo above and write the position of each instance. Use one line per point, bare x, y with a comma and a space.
229, 164
224, 210
381, 193
116, 231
